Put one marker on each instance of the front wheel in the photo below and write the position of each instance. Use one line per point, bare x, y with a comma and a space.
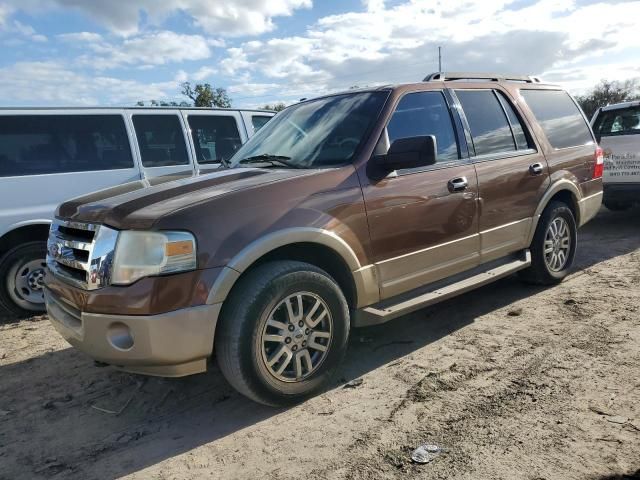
22, 272
553, 248
283, 332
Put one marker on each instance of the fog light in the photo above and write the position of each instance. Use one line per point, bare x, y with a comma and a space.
119, 336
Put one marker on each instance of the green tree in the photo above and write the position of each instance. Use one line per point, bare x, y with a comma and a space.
204, 95
276, 107
608, 92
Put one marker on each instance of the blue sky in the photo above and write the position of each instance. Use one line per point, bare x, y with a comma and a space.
86, 52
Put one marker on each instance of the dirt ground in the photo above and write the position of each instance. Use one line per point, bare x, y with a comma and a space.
512, 381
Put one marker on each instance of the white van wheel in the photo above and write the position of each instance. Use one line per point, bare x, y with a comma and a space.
22, 272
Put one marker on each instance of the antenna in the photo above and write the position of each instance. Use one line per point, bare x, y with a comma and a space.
439, 59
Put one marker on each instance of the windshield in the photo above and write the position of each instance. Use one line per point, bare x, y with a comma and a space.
320, 133
618, 122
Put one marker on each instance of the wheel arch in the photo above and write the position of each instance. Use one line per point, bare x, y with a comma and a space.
318, 247
563, 190
31, 231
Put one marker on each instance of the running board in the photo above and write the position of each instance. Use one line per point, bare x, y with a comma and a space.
385, 311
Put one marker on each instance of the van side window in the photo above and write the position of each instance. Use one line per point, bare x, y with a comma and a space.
490, 130
42, 144
259, 121
425, 113
215, 137
161, 140
559, 117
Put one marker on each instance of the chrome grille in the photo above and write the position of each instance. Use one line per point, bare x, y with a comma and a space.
81, 253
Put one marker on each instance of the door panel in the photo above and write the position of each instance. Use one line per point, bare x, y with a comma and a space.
509, 195
420, 231
512, 173
423, 222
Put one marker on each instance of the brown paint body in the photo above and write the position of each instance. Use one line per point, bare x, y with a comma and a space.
411, 228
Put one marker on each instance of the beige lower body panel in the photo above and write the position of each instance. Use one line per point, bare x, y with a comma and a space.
589, 207
401, 274
505, 239
170, 344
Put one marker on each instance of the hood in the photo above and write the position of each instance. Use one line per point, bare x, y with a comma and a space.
139, 204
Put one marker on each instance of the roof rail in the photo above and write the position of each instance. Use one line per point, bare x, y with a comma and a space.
494, 77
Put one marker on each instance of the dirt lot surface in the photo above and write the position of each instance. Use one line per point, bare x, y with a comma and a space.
512, 381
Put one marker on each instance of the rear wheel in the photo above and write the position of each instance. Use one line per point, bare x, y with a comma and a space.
553, 247
283, 332
22, 272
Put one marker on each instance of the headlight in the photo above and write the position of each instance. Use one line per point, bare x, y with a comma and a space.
141, 254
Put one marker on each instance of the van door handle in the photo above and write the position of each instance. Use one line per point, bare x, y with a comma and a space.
457, 184
536, 169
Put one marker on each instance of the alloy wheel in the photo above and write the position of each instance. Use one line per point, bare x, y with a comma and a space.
557, 244
296, 337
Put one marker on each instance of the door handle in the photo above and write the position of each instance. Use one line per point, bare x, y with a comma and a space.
457, 184
536, 168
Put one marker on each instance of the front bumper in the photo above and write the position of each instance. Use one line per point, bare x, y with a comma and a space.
172, 344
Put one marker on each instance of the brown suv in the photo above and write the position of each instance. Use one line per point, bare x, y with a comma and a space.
345, 210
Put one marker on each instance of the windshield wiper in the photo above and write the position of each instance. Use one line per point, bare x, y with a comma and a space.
269, 158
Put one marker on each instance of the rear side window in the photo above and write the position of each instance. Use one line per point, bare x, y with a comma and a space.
258, 121
623, 121
41, 144
215, 137
161, 140
425, 113
559, 117
519, 135
490, 130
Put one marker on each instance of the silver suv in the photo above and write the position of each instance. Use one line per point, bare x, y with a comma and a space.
50, 155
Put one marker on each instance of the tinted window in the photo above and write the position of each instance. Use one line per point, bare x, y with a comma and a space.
618, 122
516, 125
215, 137
559, 117
425, 113
317, 133
258, 121
38, 144
161, 140
489, 127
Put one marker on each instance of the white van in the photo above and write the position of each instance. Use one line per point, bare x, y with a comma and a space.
50, 155
617, 128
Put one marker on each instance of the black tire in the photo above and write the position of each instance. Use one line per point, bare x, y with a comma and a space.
616, 206
238, 339
540, 273
14, 302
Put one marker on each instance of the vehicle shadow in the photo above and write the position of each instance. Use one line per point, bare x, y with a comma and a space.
62, 416
622, 476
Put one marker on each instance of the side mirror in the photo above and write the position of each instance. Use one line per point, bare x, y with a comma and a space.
410, 152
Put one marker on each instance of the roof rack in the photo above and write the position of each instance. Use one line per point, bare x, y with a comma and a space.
494, 77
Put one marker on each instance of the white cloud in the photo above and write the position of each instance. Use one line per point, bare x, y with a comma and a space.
155, 48
27, 31
225, 18
399, 43
203, 73
38, 83
17, 30
80, 37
